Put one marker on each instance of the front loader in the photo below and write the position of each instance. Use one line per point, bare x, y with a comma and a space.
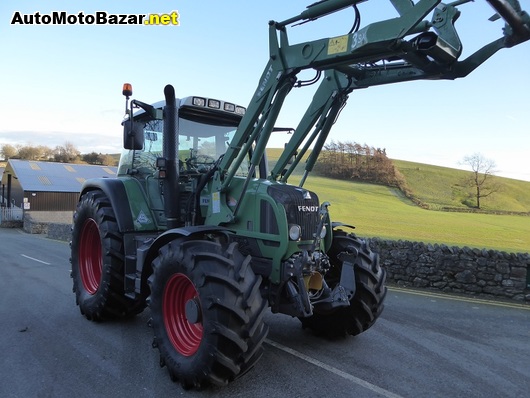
199, 228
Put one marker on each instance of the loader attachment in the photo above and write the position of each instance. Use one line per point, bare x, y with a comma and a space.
421, 43
516, 19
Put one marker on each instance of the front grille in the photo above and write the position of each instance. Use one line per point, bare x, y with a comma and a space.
301, 207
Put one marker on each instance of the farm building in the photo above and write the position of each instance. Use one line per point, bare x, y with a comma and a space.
46, 186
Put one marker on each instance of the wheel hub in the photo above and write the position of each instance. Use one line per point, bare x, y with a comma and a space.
193, 311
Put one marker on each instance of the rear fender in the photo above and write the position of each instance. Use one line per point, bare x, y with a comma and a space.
115, 191
128, 201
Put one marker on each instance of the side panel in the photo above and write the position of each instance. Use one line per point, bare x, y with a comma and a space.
142, 217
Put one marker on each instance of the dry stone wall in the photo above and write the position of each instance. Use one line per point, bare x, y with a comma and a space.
60, 231
435, 266
455, 269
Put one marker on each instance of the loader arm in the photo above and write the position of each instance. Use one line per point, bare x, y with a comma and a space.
328, 100
405, 48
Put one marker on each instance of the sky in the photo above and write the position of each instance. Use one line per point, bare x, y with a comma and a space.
63, 83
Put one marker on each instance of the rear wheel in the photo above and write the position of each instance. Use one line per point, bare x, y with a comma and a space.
367, 303
207, 312
97, 261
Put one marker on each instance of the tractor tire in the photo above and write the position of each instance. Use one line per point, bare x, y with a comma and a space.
368, 301
207, 312
97, 256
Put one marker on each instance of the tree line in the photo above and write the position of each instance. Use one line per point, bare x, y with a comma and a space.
353, 161
66, 153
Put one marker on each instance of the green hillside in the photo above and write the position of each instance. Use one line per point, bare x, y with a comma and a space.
379, 211
442, 188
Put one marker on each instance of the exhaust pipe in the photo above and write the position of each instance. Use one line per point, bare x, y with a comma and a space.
171, 154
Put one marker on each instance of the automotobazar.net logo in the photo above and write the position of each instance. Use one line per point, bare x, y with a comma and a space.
96, 18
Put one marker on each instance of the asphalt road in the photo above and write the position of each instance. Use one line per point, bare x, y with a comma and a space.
424, 345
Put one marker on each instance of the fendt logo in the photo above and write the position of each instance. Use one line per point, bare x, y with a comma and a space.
308, 208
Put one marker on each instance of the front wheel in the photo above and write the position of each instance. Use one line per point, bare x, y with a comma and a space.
207, 312
367, 303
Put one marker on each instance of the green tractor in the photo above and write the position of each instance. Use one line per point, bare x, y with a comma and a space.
197, 227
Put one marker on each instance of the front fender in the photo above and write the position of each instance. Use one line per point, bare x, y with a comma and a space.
147, 253
184, 232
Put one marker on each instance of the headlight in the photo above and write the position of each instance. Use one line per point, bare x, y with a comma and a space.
197, 101
214, 104
229, 107
294, 232
323, 232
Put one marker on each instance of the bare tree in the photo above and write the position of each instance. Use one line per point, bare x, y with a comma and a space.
92, 158
481, 180
66, 153
30, 152
8, 151
47, 152
108, 160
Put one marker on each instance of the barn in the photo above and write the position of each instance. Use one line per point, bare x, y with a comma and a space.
47, 186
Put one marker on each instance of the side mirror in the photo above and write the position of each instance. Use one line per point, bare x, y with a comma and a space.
133, 135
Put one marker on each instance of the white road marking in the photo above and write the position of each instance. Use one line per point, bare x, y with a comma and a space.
338, 372
34, 259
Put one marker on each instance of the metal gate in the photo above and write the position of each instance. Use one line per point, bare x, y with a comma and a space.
10, 214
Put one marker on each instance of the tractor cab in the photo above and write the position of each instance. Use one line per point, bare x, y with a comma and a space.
205, 127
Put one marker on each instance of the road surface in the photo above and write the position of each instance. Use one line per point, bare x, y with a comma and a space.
424, 344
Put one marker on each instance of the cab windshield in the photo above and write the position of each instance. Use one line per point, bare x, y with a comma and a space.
200, 146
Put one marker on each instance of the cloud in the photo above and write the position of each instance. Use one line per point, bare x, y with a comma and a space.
95, 142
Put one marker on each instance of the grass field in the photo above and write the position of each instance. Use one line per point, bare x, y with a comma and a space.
379, 211
442, 187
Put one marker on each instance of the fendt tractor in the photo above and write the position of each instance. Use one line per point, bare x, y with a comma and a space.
197, 227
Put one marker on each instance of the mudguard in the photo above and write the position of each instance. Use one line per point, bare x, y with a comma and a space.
128, 201
151, 247
148, 251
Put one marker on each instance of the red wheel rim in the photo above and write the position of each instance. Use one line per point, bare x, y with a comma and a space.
90, 256
185, 336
